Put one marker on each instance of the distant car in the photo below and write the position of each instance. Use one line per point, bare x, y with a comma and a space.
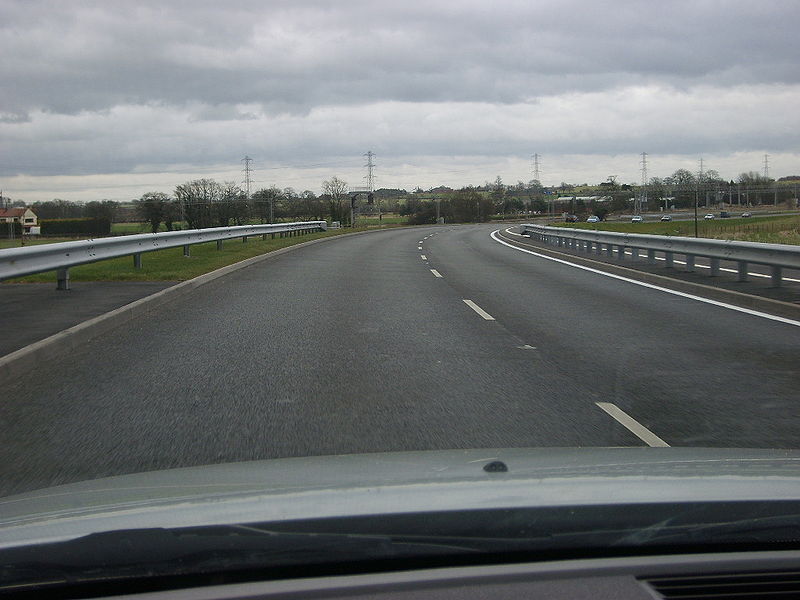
745, 215
593, 219
571, 218
637, 219
666, 218
708, 217
724, 214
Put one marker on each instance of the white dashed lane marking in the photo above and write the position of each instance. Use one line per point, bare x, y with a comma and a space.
632, 425
478, 310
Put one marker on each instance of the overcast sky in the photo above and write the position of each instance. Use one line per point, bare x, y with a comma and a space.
114, 99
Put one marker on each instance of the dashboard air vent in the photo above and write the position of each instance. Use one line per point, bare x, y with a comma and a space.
782, 584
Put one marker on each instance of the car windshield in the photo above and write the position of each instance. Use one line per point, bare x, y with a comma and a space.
306, 230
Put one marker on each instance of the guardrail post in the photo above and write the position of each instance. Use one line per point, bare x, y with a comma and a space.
598, 248
742, 268
690, 263
263, 237
714, 267
244, 239
669, 260
634, 254
651, 257
620, 252
219, 244
609, 249
186, 251
62, 279
137, 260
776, 276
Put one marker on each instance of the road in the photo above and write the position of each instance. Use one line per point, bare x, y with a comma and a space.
368, 343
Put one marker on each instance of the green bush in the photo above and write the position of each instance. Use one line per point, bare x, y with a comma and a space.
4, 229
90, 227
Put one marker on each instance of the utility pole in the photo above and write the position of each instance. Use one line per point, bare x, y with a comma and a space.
370, 177
697, 196
766, 179
535, 168
643, 193
247, 170
4, 204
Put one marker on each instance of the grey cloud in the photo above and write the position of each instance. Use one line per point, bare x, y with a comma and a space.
69, 57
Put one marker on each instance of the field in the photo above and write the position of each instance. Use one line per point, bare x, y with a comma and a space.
772, 230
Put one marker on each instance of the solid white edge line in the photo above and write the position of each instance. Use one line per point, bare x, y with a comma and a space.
478, 310
727, 270
436, 273
747, 311
632, 425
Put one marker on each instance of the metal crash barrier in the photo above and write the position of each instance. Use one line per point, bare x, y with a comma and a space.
59, 257
775, 256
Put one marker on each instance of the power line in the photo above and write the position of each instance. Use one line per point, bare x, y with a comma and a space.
247, 170
536, 167
370, 177
643, 195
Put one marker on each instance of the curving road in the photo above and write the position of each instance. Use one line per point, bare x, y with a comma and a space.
407, 339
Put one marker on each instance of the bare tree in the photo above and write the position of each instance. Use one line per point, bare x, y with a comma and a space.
263, 203
197, 200
336, 190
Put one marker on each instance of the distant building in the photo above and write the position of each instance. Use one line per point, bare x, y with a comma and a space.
583, 198
25, 216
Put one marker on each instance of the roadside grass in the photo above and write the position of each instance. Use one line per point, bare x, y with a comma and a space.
131, 228
171, 265
34, 241
771, 230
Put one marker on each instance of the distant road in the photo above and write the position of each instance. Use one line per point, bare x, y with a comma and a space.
408, 339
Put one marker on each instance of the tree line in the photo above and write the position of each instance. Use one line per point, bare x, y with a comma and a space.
205, 203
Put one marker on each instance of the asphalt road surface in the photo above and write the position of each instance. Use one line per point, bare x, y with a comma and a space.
407, 339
